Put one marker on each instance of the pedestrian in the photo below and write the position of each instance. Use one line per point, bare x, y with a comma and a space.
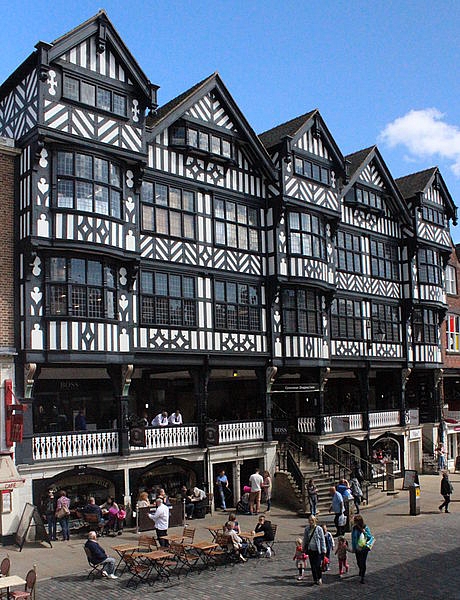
341, 552
362, 541
300, 559
314, 545
63, 514
80, 421
330, 545
356, 492
255, 481
161, 519
98, 556
312, 492
267, 488
222, 487
446, 491
49, 511
358, 473
337, 507
440, 456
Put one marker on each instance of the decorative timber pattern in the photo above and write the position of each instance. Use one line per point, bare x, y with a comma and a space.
363, 284
432, 233
432, 293
210, 110
107, 64
82, 336
91, 126
385, 225
94, 230
19, 110
309, 191
241, 179
305, 347
313, 144
25, 193
311, 269
427, 354
371, 176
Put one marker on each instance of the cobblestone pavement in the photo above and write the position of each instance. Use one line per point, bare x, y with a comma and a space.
413, 558
404, 564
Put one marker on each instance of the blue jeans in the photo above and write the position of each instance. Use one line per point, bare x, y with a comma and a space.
222, 497
65, 528
313, 501
109, 565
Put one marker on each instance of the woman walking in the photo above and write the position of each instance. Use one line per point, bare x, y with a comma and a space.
63, 514
361, 543
267, 488
314, 545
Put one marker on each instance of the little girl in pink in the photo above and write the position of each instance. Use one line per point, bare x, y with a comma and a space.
300, 558
341, 551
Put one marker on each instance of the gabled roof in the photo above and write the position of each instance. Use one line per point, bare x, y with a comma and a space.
274, 136
418, 183
296, 127
170, 112
97, 23
358, 161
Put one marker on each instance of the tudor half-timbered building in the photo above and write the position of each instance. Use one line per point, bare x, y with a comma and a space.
169, 258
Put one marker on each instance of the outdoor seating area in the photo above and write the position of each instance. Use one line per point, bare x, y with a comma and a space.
144, 561
23, 588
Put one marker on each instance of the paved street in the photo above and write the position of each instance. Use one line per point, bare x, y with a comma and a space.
413, 558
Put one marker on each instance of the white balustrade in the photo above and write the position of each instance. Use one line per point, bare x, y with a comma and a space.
241, 432
74, 445
340, 423
306, 424
384, 418
169, 437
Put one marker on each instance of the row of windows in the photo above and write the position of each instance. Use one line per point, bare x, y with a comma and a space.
307, 235
94, 95
312, 170
168, 210
433, 215
453, 333
429, 266
366, 197
185, 135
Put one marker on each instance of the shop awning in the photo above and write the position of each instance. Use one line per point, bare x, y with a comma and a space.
9, 476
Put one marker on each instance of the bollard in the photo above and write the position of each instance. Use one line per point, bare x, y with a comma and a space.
414, 499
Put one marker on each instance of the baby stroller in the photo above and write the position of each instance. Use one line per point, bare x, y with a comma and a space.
243, 505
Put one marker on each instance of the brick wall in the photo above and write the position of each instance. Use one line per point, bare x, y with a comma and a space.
7, 162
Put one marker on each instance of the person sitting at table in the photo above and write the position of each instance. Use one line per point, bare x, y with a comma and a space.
236, 526
235, 543
93, 509
109, 513
98, 556
164, 496
264, 527
186, 498
161, 519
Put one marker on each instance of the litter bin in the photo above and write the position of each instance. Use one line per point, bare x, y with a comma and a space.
414, 499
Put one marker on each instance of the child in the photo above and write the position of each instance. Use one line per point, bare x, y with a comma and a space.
329, 546
300, 558
236, 526
341, 551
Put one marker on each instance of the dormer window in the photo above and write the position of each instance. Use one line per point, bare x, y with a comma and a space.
94, 95
433, 215
365, 199
312, 170
199, 141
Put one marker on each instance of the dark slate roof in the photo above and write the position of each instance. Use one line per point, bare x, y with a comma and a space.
273, 136
172, 104
415, 183
357, 158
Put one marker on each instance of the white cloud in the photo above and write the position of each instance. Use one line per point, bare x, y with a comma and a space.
425, 133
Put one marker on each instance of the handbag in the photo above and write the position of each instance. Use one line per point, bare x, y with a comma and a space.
342, 520
62, 512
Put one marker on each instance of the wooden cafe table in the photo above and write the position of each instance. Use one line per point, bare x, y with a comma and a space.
159, 560
11, 580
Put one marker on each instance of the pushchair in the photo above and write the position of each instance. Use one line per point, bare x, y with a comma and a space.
243, 505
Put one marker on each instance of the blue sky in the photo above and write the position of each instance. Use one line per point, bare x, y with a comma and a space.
383, 73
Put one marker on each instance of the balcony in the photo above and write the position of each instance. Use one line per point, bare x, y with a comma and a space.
350, 422
57, 446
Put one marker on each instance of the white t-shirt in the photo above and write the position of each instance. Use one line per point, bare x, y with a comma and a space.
256, 480
160, 517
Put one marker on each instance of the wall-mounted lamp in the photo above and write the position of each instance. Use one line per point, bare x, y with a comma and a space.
235, 373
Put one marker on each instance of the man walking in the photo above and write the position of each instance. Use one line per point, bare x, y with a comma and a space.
98, 556
337, 508
255, 481
446, 491
161, 519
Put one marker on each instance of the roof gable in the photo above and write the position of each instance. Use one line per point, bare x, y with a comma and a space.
307, 132
209, 101
368, 167
96, 45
